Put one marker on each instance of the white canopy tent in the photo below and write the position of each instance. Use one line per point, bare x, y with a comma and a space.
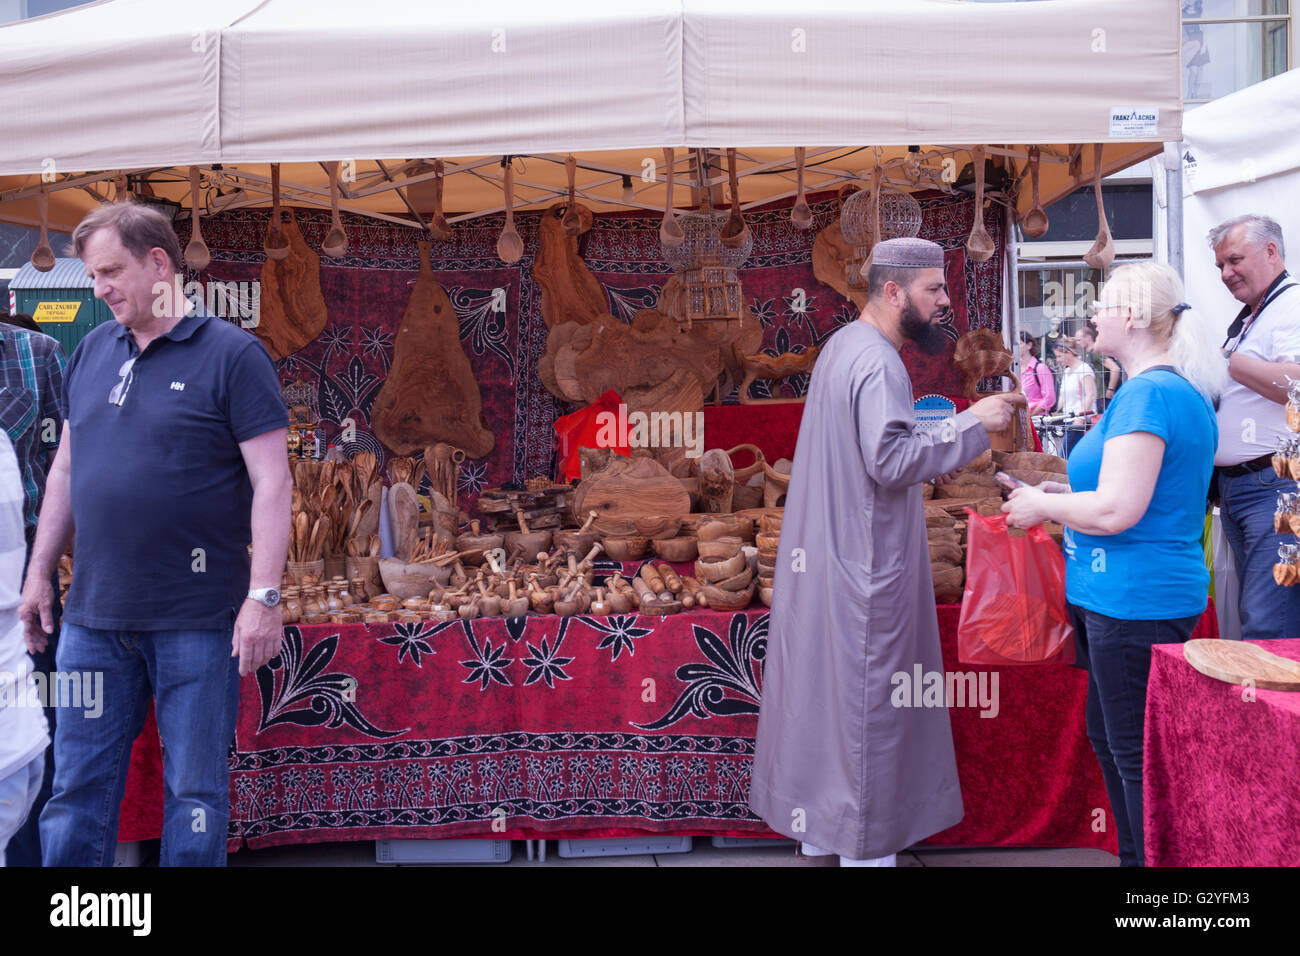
137, 86
1239, 156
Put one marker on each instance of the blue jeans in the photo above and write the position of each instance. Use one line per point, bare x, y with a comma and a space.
1117, 655
195, 685
1246, 506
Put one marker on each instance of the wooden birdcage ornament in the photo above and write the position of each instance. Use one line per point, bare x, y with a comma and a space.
707, 268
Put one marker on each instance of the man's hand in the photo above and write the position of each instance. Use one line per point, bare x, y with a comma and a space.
995, 411
258, 631
37, 611
1054, 487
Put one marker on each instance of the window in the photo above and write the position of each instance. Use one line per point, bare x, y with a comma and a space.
1231, 44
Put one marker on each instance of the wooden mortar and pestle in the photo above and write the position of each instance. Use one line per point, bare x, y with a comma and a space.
579, 539
530, 542
473, 545
566, 605
489, 603
600, 606
542, 600
516, 605
469, 610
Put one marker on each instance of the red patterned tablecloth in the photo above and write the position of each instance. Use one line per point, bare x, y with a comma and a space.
588, 727
1219, 778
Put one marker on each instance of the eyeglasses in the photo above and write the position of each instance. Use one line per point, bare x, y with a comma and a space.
118, 395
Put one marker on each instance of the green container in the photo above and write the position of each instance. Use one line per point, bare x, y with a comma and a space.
62, 301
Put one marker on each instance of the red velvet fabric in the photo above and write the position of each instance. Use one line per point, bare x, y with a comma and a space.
1219, 779
425, 749
142, 807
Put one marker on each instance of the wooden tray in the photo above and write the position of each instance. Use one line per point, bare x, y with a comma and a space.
1235, 662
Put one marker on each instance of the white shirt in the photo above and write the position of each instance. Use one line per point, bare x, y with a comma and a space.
23, 731
1249, 424
1073, 389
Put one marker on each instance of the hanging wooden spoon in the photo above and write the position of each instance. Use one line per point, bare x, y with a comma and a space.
439, 228
1034, 225
572, 222
734, 230
877, 178
43, 255
196, 250
800, 213
510, 248
276, 243
336, 240
979, 247
1102, 253
670, 230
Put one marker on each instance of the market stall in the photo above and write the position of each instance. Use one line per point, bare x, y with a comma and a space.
442, 278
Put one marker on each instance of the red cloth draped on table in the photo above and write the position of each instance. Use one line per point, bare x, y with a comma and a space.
1219, 778
594, 727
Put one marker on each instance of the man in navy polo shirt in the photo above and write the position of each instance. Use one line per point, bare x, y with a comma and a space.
179, 430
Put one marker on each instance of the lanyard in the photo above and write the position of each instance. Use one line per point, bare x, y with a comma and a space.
1249, 319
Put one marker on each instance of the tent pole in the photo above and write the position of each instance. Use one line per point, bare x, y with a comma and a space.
1174, 205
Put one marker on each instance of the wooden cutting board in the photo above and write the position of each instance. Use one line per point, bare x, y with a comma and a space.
632, 486
1235, 662
403, 516
291, 311
430, 394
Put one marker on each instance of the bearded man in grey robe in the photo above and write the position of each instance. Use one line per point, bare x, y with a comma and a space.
836, 764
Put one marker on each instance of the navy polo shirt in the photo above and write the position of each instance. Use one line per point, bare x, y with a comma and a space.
160, 495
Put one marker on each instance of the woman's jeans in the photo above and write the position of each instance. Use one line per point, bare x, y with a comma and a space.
1246, 507
195, 684
1117, 654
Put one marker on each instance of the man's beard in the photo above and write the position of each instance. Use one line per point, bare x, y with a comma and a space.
929, 338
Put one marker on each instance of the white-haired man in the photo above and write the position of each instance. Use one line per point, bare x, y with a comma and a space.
1263, 351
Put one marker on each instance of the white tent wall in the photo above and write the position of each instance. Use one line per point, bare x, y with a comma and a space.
1240, 155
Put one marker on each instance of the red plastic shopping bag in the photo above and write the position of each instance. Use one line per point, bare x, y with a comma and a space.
581, 429
1013, 605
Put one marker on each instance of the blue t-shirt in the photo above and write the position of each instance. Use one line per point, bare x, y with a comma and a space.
161, 498
1154, 570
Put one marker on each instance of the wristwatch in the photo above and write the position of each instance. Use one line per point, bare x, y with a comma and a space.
268, 596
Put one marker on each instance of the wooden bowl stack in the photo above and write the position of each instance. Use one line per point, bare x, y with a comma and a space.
727, 580
767, 542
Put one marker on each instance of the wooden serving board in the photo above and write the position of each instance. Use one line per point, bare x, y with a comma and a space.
1235, 662
430, 394
628, 486
291, 311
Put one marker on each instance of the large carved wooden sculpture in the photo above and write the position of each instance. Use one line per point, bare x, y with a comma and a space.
430, 395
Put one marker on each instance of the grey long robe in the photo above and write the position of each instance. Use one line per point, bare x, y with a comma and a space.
836, 764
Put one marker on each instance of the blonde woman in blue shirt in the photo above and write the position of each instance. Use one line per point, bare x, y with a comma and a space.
1134, 512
